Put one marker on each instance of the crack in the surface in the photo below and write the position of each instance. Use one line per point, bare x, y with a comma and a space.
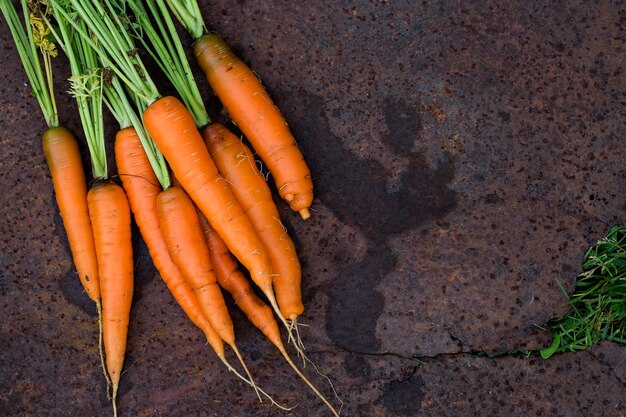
608, 366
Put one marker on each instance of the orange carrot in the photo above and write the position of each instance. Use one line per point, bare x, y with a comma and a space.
185, 242
110, 217
70, 188
63, 157
235, 163
232, 280
252, 110
173, 130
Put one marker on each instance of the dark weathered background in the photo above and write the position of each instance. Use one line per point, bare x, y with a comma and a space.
465, 155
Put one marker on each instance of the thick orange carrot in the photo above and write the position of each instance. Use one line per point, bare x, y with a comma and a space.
260, 314
173, 130
252, 110
236, 164
63, 157
142, 188
110, 217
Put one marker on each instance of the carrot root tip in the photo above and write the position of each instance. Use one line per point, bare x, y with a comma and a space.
305, 213
114, 400
101, 350
245, 368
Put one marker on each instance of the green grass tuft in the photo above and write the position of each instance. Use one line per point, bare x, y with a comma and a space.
598, 305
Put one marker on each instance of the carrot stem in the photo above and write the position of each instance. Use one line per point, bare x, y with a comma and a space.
124, 112
27, 42
166, 49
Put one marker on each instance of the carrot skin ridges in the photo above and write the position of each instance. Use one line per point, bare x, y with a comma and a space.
142, 188
110, 216
252, 110
236, 163
186, 245
63, 156
175, 134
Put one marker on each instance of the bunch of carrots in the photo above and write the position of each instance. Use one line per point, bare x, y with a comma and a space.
200, 202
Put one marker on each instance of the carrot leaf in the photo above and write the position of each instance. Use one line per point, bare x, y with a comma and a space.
188, 14
31, 37
161, 41
117, 101
86, 85
100, 26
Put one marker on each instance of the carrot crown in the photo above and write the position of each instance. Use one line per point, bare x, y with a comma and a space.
30, 37
118, 103
163, 44
188, 14
85, 86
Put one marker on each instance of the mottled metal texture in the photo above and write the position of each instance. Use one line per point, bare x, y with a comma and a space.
465, 155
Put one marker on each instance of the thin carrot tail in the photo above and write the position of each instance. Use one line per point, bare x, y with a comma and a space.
100, 348
247, 381
305, 379
293, 323
114, 400
245, 368
269, 293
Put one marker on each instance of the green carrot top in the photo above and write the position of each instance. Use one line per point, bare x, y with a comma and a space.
31, 38
163, 44
188, 14
86, 86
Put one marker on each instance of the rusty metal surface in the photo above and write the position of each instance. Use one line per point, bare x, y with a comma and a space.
465, 156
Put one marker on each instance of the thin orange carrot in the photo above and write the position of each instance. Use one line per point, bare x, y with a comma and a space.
236, 164
66, 168
110, 216
252, 110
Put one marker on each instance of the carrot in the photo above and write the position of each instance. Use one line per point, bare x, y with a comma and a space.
185, 242
232, 280
236, 164
173, 130
252, 110
66, 168
59, 145
110, 216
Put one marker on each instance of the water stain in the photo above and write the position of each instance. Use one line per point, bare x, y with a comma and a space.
403, 398
355, 189
404, 125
